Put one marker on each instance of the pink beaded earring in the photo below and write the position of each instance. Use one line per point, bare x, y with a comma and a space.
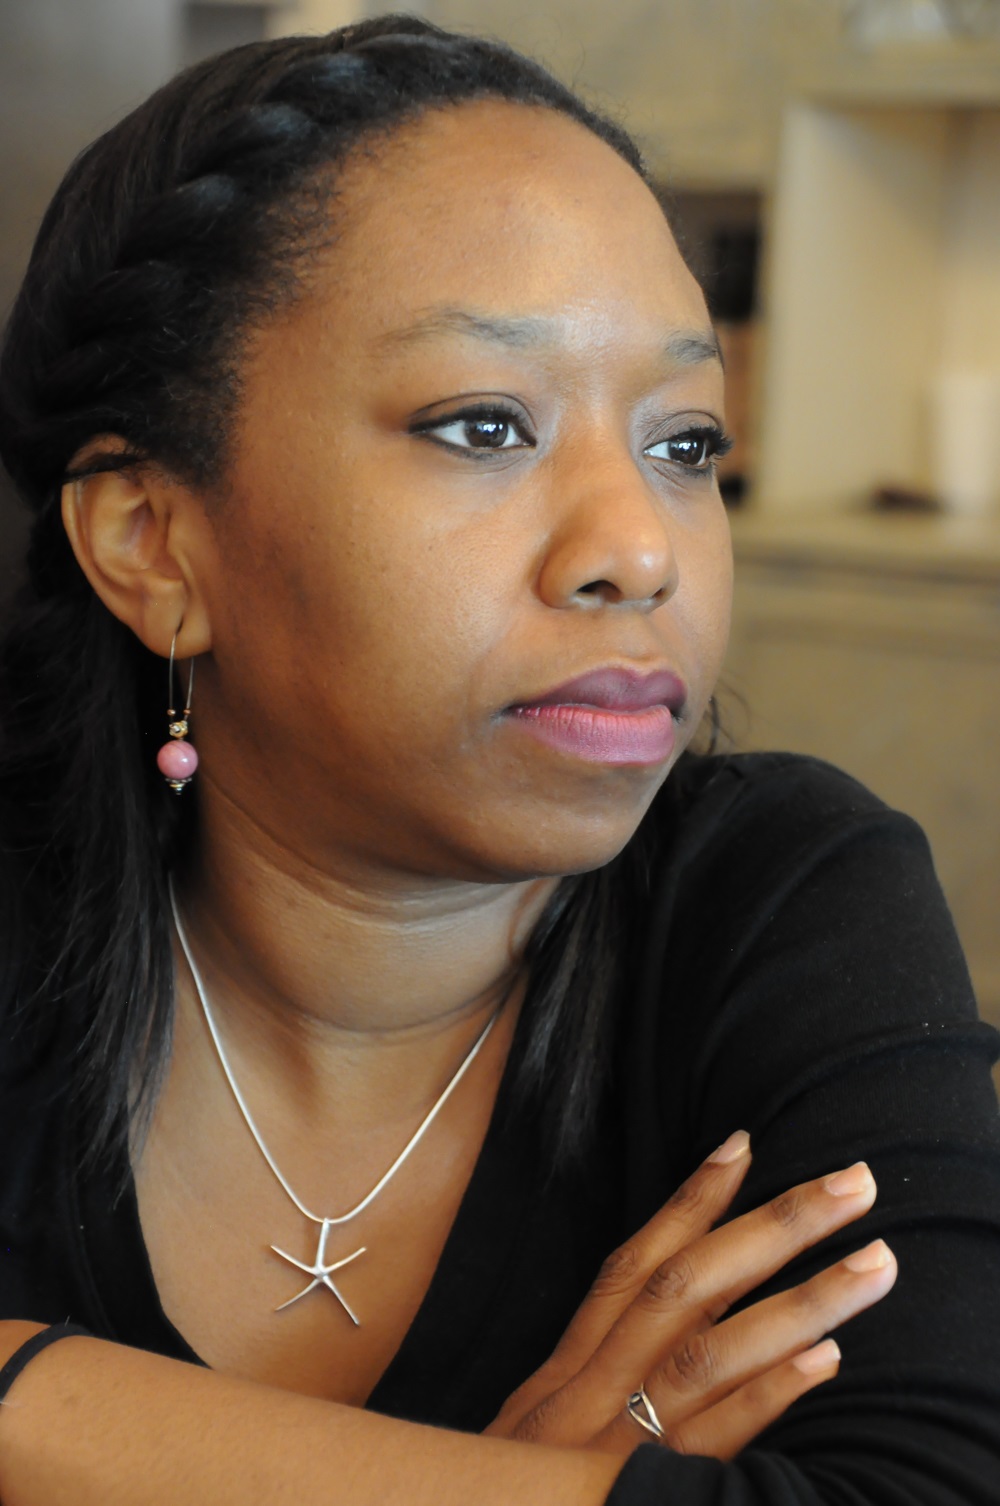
177, 760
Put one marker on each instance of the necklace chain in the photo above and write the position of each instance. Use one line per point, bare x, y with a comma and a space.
408, 1148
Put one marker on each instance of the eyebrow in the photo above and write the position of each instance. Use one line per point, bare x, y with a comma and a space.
687, 347
681, 347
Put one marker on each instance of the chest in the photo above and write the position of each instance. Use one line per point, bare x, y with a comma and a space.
259, 1290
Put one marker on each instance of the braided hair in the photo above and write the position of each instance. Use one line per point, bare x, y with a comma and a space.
169, 241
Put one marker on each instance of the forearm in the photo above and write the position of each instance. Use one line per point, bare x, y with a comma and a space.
94, 1424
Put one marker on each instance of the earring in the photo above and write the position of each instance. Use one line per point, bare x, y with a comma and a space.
177, 760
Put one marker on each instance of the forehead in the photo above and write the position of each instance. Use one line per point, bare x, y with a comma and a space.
503, 207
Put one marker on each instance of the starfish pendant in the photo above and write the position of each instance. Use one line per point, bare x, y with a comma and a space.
321, 1272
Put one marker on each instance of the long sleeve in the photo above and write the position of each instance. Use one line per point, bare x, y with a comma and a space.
795, 973
805, 982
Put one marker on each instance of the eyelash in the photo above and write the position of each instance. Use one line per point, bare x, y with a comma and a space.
716, 443
476, 413
715, 440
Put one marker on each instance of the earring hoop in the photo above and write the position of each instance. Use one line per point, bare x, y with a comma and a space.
177, 759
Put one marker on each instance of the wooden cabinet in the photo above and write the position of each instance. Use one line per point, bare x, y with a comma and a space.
874, 642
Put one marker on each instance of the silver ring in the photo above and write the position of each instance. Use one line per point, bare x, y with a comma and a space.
641, 1410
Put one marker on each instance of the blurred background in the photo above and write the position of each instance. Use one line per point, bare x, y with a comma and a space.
832, 168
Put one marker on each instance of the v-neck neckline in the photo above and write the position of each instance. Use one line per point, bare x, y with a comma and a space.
454, 1310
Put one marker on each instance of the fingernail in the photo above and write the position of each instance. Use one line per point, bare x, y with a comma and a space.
820, 1357
730, 1150
872, 1258
854, 1180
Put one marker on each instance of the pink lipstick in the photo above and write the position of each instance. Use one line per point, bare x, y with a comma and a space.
610, 716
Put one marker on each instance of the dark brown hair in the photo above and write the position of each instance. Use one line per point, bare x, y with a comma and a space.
169, 239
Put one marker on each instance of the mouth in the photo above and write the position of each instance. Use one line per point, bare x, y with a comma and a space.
610, 716
612, 689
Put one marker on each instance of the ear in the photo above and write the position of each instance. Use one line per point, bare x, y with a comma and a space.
139, 538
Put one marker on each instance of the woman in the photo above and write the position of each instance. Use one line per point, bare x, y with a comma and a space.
350, 1089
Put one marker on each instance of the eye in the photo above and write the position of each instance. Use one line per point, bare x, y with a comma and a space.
694, 449
482, 428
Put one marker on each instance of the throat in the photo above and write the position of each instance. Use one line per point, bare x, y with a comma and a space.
295, 1245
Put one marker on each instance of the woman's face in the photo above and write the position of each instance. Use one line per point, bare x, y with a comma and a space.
473, 464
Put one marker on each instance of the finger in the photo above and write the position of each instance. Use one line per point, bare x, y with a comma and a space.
710, 1370
722, 1430
734, 1423
696, 1205
694, 1288
709, 1366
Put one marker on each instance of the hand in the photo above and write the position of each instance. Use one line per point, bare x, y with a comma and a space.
652, 1318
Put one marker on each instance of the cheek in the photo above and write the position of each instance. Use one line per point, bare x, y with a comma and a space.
373, 629
705, 605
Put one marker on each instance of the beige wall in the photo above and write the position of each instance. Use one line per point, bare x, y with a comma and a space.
68, 70
971, 305
323, 15
701, 81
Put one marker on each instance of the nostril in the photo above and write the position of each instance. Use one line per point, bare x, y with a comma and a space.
603, 588
608, 594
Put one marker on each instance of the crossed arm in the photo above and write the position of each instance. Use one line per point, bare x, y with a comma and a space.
95, 1424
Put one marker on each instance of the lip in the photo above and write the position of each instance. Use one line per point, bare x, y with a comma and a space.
612, 688
607, 716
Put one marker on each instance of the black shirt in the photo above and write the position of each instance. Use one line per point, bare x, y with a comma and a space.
799, 976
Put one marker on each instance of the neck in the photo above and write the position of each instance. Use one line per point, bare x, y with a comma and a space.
306, 960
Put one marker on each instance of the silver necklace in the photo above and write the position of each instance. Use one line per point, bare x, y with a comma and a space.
320, 1273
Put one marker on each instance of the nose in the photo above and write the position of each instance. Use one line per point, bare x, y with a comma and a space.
610, 542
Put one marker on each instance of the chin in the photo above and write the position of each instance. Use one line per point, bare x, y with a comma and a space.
527, 838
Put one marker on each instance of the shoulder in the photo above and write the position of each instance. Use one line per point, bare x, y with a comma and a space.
799, 967
802, 793
790, 846
788, 905
756, 821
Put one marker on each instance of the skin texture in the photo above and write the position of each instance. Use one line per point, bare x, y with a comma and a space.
365, 601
